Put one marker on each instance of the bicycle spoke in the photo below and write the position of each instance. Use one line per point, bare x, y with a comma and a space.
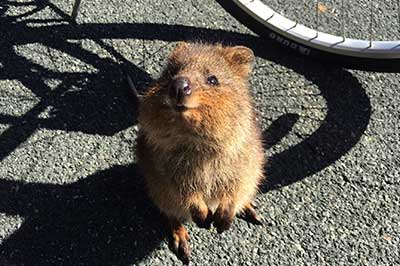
398, 12
317, 16
75, 9
371, 24
343, 20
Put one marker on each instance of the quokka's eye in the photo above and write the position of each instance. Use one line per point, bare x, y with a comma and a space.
212, 80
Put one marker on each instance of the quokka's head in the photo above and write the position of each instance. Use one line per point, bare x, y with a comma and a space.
202, 91
202, 76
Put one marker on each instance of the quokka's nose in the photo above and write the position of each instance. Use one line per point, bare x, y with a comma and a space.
180, 87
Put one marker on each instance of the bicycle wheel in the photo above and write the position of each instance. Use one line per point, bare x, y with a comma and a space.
358, 53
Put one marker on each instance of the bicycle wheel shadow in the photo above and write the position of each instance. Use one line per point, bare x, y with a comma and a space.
348, 114
106, 219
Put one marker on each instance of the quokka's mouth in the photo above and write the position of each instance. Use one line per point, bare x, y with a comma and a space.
182, 106
179, 107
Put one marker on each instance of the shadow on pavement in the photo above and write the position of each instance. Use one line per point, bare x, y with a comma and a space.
347, 118
106, 219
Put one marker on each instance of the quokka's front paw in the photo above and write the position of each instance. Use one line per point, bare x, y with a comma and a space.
223, 217
202, 218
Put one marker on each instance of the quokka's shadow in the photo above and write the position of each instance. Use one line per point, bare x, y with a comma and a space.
106, 218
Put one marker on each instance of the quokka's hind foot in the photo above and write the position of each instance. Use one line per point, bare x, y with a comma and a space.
250, 215
179, 242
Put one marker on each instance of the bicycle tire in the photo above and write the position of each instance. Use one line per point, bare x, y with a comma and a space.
291, 43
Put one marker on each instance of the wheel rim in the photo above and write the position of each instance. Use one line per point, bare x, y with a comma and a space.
295, 35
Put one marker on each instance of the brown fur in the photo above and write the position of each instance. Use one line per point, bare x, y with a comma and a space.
206, 162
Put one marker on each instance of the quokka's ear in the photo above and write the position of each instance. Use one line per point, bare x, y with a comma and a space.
179, 48
240, 58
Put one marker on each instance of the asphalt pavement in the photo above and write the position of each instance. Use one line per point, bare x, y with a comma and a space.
71, 193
